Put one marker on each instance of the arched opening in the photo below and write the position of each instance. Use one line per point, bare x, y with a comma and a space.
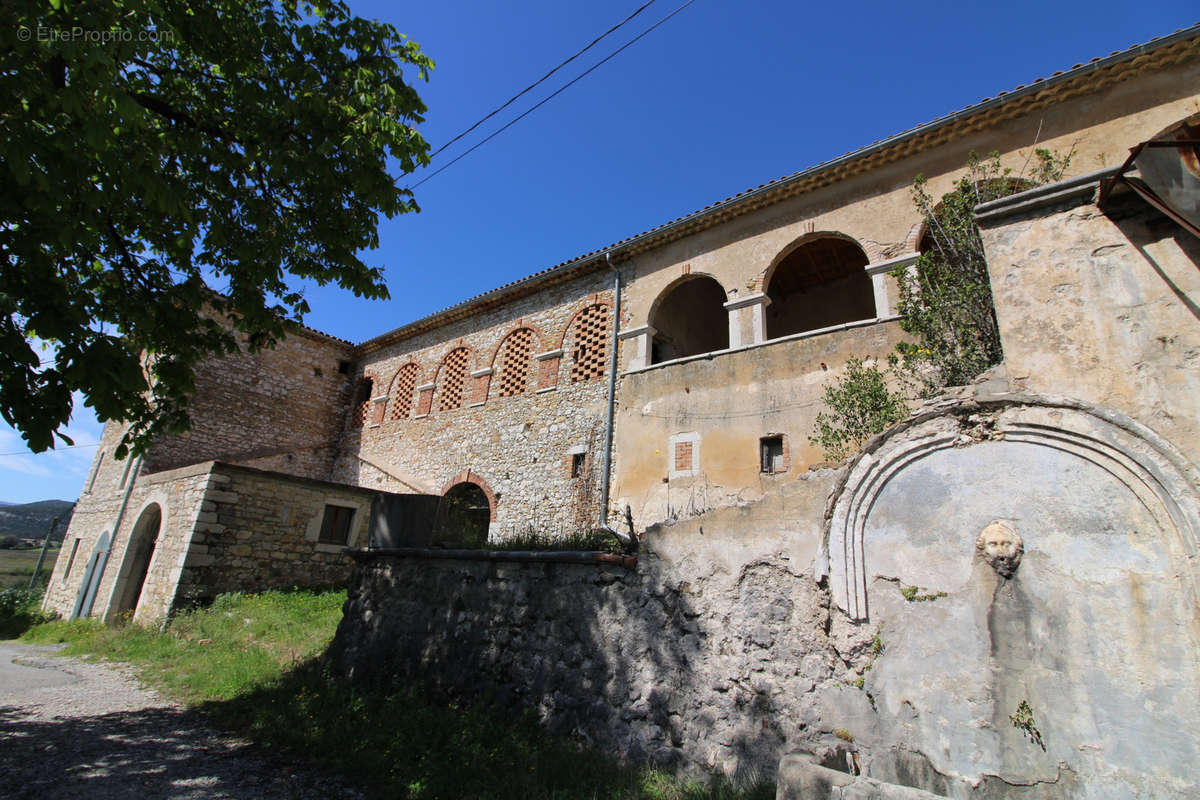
362, 400
820, 283
403, 386
463, 516
452, 379
515, 357
137, 560
689, 319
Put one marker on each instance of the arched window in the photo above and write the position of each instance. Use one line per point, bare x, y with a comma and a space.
818, 284
452, 378
403, 386
589, 343
689, 319
515, 357
362, 400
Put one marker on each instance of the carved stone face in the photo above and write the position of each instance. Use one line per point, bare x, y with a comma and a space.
1001, 547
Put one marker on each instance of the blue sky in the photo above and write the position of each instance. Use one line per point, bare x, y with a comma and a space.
720, 98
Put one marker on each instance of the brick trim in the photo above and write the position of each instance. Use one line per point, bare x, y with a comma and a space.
591, 300
538, 338
467, 476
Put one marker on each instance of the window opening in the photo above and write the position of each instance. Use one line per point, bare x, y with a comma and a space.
578, 462
514, 362
771, 455
454, 377
71, 560
362, 401
402, 390
690, 319
335, 527
819, 284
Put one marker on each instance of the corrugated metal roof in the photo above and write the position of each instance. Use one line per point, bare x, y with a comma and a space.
713, 212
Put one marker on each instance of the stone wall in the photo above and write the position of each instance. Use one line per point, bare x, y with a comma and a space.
517, 439
279, 410
257, 530
707, 654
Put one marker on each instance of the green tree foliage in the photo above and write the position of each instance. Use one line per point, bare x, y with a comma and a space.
150, 148
858, 405
946, 298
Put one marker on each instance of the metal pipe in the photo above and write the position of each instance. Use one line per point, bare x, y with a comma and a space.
79, 609
627, 539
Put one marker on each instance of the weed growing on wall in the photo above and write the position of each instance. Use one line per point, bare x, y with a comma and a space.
858, 405
946, 297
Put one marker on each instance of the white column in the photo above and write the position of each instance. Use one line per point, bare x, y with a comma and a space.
885, 304
643, 339
755, 304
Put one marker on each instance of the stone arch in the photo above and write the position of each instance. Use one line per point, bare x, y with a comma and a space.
512, 361
363, 392
1054, 546
689, 318
585, 340
1153, 473
451, 381
403, 389
818, 281
135, 565
1180, 129
465, 512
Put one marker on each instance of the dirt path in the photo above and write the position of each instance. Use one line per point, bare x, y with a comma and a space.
73, 729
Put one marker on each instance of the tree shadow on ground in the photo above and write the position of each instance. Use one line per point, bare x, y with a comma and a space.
149, 753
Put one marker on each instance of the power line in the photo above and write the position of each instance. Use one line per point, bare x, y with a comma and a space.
541, 103
30, 452
542, 79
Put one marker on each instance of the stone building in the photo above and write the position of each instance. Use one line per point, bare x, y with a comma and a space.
1044, 522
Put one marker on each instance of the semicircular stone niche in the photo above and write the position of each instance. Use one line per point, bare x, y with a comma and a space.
1095, 631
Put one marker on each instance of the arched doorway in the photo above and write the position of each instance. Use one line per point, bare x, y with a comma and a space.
137, 560
463, 517
820, 283
689, 319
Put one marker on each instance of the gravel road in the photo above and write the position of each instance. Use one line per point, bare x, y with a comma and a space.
74, 729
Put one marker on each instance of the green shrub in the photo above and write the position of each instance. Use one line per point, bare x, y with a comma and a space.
20, 610
858, 405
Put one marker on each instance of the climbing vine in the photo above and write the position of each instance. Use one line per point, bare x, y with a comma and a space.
946, 297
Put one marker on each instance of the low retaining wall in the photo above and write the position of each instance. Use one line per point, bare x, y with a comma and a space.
707, 658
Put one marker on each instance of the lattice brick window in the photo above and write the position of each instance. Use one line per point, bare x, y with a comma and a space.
514, 362
402, 390
589, 349
362, 401
453, 379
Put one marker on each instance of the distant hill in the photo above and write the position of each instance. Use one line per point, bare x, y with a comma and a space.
32, 520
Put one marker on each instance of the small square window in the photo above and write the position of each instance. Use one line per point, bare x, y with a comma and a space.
771, 455
335, 527
578, 462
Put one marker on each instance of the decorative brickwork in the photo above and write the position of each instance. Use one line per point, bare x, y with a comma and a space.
515, 355
452, 378
362, 400
683, 456
403, 386
589, 346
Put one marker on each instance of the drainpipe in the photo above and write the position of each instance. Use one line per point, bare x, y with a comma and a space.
629, 541
82, 601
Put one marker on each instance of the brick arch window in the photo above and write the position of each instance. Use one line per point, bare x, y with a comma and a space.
403, 386
516, 355
362, 400
589, 343
452, 378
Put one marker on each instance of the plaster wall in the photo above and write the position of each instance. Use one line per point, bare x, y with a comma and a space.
1103, 307
725, 404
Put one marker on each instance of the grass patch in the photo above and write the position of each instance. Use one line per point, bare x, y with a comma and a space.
16, 566
251, 663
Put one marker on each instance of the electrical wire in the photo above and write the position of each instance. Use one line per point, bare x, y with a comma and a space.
550, 97
51, 450
542, 79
